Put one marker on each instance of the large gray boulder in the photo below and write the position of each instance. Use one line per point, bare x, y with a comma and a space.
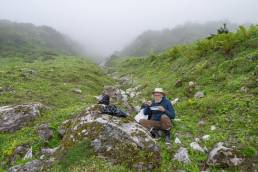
116, 139
32, 166
45, 132
182, 155
19, 153
221, 155
199, 95
13, 118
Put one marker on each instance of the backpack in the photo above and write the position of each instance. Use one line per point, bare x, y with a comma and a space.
112, 110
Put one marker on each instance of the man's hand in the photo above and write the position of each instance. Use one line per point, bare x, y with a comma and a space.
162, 109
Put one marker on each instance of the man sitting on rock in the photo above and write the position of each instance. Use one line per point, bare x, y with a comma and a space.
160, 112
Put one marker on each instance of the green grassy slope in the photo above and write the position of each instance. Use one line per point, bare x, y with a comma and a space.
38, 64
28, 40
220, 66
158, 41
50, 82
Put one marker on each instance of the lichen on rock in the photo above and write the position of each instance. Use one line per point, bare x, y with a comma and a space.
121, 143
13, 118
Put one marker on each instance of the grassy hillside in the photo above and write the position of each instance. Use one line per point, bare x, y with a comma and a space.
225, 69
50, 82
38, 64
28, 40
157, 41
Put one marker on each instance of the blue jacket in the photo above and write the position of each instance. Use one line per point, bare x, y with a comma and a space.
155, 115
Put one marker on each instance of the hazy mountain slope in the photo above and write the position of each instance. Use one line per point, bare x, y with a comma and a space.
51, 82
225, 69
35, 66
157, 41
28, 39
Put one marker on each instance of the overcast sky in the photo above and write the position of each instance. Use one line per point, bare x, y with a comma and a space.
104, 26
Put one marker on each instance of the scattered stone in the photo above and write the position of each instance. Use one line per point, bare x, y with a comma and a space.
177, 141
77, 90
118, 94
132, 94
141, 167
42, 157
122, 91
236, 161
213, 127
129, 90
13, 118
205, 137
196, 139
175, 101
199, 94
28, 73
18, 153
28, 155
244, 89
110, 91
223, 156
110, 134
21, 150
125, 80
124, 98
192, 84
45, 132
32, 166
138, 93
49, 151
196, 146
7, 89
210, 111
201, 123
206, 149
137, 108
182, 155
61, 131
179, 83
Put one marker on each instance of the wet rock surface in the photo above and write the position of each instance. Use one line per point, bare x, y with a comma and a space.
199, 95
182, 155
221, 155
45, 132
18, 154
32, 166
13, 118
113, 138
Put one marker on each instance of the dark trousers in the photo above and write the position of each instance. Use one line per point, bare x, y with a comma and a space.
163, 124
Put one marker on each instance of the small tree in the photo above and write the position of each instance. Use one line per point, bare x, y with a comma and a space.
223, 29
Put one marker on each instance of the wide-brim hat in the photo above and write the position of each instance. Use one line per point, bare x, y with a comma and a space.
159, 90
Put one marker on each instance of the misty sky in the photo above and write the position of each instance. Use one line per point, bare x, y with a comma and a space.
104, 26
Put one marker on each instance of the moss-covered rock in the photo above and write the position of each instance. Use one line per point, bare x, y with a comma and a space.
119, 142
13, 118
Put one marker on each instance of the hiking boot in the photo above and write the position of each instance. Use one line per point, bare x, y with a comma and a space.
167, 137
160, 132
154, 133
